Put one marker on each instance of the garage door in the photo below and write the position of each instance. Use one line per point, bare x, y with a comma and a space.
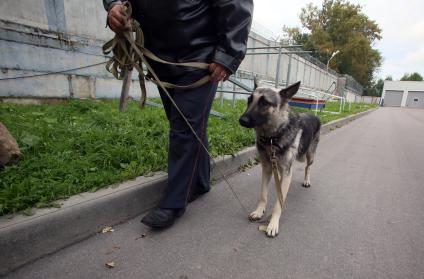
393, 98
415, 99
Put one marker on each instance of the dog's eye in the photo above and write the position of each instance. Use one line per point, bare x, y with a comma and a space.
249, 100
263, 102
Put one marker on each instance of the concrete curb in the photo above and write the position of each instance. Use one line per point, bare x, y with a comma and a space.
26, 238
326, 128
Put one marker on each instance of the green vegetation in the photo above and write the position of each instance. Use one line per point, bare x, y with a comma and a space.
79, 146
412, 77
328, 114
339, 25
376, 87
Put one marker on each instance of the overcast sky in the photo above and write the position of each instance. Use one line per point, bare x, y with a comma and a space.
402, 46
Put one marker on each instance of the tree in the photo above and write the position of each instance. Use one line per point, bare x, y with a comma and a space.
340, 25
376, 88
414, 77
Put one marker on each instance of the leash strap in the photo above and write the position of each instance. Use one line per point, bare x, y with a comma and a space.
276, 174
277, 180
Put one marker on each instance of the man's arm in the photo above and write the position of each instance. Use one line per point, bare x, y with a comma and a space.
233, 21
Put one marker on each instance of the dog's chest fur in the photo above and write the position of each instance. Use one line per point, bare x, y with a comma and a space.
285, 139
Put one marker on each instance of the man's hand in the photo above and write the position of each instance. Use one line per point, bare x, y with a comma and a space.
218, 72
116, 19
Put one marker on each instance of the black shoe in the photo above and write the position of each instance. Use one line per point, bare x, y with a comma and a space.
194, 195
160, 218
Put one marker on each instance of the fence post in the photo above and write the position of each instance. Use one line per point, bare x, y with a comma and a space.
234, 89
316, 106
289, 70
297, 68
310, 75
277, 74
221, 95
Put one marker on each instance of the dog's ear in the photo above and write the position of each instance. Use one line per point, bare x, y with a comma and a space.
255, 83
289, 92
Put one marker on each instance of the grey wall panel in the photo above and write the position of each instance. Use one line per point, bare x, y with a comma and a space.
18, 11
415, 99
393, 98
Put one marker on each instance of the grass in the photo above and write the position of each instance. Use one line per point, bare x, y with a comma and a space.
78, 146
331, 110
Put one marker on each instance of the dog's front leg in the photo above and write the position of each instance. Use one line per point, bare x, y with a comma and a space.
282, 189
266, 176
285, 168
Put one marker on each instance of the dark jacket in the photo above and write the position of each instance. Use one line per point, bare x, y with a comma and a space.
194, 30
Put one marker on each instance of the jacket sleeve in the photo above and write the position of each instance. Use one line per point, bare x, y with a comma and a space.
110, 3
233, 21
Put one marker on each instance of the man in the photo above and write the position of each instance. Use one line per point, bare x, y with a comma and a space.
212, 31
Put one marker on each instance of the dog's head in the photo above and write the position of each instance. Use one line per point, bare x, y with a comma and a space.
266, 104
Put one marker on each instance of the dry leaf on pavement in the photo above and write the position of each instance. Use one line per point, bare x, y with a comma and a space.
110, 264
107, 229
262, 228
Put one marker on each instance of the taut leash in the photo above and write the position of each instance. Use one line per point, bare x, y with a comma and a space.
276, 173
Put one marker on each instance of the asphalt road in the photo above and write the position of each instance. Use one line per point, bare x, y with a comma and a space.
363, 217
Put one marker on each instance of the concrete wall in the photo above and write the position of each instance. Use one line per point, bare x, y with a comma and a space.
354, 97
404, 86
75, 17
370, 100
350, 96
44, 36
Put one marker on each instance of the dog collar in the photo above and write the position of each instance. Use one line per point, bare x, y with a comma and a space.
269, 141
274, 140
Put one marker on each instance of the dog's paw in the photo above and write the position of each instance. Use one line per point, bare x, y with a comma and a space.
306, 184
272, 229
257, 214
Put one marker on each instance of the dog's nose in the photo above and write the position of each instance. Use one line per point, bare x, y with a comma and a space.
244, 121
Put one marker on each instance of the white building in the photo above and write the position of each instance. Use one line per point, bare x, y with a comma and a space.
403, 94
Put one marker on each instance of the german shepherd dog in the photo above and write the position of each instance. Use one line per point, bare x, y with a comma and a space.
281, 137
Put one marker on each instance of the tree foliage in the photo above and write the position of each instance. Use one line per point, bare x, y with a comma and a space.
413, 77
340, 25
376, 88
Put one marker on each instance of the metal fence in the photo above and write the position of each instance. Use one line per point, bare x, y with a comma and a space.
318, 82
313, 77
353, 85
279, 65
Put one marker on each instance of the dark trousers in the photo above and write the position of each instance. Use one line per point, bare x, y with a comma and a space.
188, 163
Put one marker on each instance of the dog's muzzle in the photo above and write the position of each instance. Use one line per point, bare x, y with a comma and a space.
246, 121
